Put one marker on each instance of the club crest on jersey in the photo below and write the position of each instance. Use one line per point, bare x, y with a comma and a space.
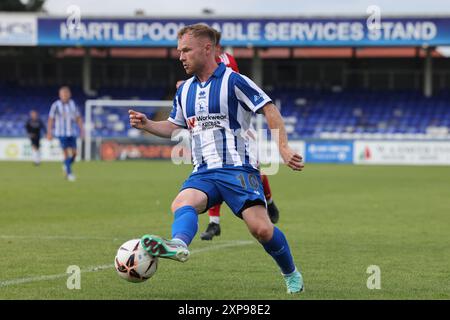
201, 108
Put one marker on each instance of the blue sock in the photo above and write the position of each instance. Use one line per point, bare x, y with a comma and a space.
67, 163
185, 225
278, 248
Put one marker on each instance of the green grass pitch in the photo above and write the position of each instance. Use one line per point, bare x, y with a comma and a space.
338, 219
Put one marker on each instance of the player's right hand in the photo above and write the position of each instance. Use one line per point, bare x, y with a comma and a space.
49, 136
137, 120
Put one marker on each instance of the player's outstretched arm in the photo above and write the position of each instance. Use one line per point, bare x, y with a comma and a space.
162, 129
275, 122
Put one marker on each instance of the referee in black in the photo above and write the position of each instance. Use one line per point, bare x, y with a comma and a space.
34, 127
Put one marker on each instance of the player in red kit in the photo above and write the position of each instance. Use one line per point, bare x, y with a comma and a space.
213, 228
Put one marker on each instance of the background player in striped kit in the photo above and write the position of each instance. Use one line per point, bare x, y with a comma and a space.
64, 114
216, 104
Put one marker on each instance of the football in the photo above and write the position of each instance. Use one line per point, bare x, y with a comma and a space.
133, 263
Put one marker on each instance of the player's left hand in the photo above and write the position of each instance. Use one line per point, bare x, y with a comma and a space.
292, 159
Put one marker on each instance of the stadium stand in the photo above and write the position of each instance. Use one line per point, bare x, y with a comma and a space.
350, 114
308, 113
14, 107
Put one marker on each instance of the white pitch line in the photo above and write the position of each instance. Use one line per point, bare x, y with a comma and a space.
40, 237
232, 243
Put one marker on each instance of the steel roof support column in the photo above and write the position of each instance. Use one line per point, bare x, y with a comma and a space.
428, 74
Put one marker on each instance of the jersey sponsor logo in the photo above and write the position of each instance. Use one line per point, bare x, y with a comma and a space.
191, 122
205, 122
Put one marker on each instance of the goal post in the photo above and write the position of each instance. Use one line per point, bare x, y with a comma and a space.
112, 103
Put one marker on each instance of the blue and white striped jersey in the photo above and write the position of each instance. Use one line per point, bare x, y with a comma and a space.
64, 115
218, 116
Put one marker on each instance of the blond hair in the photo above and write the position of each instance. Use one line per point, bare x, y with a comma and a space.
199, 30
218, 36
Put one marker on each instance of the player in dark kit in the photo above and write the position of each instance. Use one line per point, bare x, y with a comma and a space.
34, 127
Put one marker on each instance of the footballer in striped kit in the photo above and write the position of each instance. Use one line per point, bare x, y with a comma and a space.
216, 105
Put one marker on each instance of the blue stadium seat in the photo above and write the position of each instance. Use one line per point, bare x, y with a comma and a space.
316, 112
16, 102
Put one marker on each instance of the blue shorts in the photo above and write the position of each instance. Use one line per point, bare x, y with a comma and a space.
68, 142
239, 187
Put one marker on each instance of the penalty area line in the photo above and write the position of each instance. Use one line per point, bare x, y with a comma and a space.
12, 282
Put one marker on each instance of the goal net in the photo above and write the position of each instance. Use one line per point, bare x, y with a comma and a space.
108, 134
